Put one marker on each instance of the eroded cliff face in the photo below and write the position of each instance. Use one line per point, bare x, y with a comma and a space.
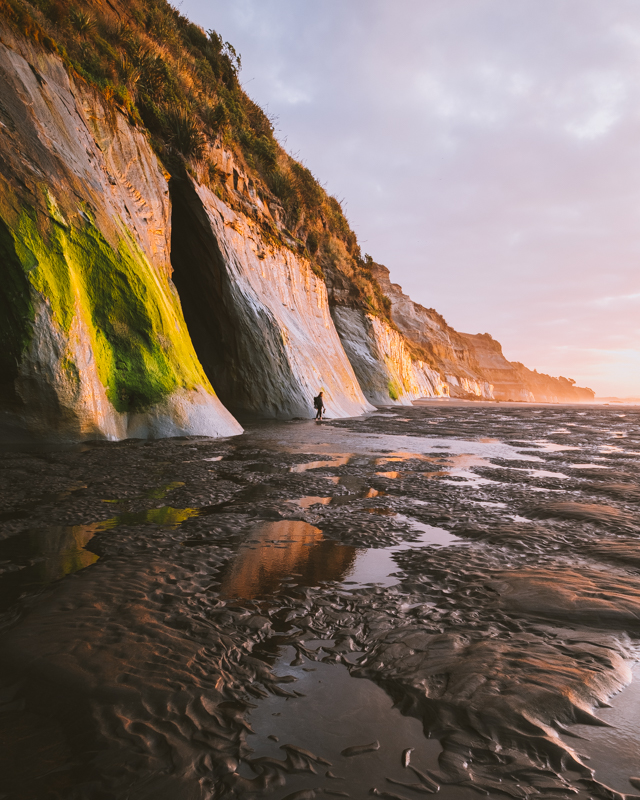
93, 337
470, 365
130, 296
258, 314
513, 381
506, 380
381, 359
433, 345
95, 340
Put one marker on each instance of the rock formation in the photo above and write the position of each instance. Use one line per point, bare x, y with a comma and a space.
94, 343
270, 344
434, 342
470, 365
163, 256
382, 361
513, 381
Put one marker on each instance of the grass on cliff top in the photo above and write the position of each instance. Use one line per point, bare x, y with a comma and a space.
137, 333
181, 83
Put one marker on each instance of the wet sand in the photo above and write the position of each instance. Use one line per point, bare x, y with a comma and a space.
192, 618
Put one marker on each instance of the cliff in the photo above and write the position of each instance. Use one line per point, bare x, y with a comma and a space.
470, 365
94, 342
431, 340
258, 314
513, 381
93, 231
165, 260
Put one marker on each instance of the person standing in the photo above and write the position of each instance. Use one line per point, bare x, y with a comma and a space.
318, 403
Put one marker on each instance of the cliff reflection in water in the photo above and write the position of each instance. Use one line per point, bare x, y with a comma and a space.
44, 555
277, 550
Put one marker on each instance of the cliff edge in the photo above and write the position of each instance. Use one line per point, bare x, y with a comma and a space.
94, 343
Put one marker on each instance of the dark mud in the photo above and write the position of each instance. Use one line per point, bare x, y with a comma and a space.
444, 598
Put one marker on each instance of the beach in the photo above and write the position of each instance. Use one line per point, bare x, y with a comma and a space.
442, 597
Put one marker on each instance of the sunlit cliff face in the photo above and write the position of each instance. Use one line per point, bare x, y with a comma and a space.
276, 550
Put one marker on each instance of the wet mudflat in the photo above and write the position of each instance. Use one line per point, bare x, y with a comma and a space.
442, 598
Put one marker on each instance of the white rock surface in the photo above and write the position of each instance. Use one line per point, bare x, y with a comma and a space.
380, 358
277, 321
427, 330
58, 137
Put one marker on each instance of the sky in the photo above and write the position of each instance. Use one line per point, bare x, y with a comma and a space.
486, 151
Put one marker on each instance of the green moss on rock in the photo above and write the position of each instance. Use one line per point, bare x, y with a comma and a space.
133, 317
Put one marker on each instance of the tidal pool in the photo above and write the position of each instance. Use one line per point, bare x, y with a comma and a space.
219, 618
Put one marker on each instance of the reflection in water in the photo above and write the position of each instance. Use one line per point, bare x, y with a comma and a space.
378, 566
456, 465
402, 456
428, 534
295, 550
462, 461
355, 485
43, 556
332, 712
544, 473
613, 751
278, 549
552, 447
338, 461
311, 500
166, 516
162, 491
364, 494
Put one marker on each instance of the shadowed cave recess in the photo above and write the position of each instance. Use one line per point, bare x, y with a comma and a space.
235, 344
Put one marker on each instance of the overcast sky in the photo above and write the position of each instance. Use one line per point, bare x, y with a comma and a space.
486, 151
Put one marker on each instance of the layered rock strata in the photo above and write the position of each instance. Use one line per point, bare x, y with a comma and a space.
93, 337
104, 251
470, 365
433, 342
386, 371
513, 381
258, 314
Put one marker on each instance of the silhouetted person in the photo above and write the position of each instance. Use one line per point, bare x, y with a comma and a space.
318, 403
